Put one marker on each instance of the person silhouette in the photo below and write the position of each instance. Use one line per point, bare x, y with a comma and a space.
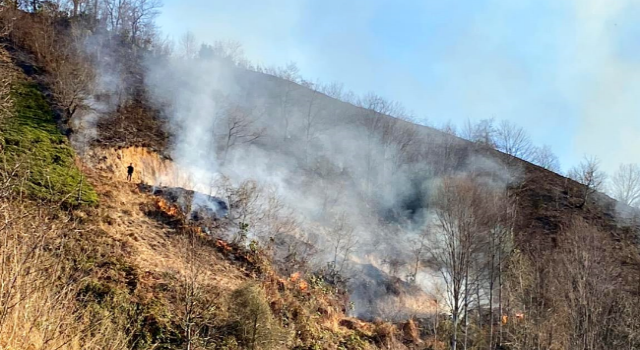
129, 172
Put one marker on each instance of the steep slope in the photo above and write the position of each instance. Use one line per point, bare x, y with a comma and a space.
156, 247
547, 201
331, 161
127, 272
325, 198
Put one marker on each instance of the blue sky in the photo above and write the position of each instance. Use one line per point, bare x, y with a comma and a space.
566, 70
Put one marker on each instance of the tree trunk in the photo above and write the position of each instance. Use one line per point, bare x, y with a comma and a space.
491, 277
255, 332
435, 324
466, 306
454, 336
308, 131
226, 149
479, 313
500, 295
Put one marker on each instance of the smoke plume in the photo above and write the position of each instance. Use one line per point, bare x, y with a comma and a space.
355, 181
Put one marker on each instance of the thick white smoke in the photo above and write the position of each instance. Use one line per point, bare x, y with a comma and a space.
357, 182
188, 94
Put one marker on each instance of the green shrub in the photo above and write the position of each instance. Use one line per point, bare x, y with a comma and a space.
34, 146
254, 323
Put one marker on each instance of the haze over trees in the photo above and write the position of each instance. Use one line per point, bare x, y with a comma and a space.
625, 184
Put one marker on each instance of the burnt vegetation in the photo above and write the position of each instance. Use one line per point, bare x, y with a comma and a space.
335, 221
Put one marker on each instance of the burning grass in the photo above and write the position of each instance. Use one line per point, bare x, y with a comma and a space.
304, 304
170, 210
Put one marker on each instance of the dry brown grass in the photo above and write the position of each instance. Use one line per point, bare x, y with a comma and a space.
155, 247
44, 302
194, 282
150, 167
7, 75
38, 288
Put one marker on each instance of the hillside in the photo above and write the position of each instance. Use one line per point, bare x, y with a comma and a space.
547, 202
136, 274
267, 213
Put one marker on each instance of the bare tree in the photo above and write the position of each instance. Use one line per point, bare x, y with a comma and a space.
116, 14
420, 252
285, 106
194, 297
71, 82
456, 241
286, 96
312, 122
513, 140
588, 173
500, 211
290, 72
188, 45
483, 132
381, 132
449, 128
75, 6
544, 157
229, 52
343, 241
525, 293
7, 19
325, 184
238, 126
586, 280
333, 90
444, 152
163, 48
625, 184
246, 204
142, 15
129, 19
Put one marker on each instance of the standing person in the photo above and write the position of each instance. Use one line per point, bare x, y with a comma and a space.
129, 172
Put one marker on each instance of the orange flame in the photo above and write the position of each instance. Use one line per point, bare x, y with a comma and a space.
294, 277
166, 207
519, 316
224, 245
303, 285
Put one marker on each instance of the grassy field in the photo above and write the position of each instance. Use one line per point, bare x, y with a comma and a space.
35, 149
